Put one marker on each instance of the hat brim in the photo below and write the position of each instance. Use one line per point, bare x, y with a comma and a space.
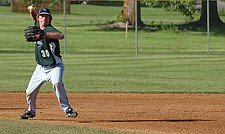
44, 13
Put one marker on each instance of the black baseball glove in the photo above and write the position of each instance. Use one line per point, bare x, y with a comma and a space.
33, 33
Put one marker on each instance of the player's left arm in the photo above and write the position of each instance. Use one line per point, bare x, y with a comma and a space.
54, 35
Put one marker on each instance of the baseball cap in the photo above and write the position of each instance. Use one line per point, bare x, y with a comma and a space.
45, 11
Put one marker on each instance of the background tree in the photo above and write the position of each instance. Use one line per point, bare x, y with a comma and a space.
128, 12
188, 8
214, 19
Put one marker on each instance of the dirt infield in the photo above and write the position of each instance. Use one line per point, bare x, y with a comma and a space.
151, 113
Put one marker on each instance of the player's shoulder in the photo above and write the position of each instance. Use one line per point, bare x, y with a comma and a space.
50, 28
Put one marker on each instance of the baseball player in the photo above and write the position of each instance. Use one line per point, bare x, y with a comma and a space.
49, 63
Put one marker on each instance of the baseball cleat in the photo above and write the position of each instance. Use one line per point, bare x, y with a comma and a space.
27, 114
70, 113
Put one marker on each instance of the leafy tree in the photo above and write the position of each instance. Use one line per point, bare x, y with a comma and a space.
214, 19
188, 8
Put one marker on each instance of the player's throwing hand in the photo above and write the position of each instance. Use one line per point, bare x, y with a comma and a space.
30, 8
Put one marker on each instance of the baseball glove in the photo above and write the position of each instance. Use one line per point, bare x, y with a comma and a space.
33, 33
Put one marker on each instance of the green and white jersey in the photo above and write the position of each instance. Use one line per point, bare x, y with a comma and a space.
47, 50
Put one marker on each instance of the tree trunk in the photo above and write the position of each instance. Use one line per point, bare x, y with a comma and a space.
128, 12
214, 19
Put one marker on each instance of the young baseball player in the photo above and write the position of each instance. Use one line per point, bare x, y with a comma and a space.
49, 65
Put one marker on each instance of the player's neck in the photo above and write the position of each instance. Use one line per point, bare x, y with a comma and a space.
42, 27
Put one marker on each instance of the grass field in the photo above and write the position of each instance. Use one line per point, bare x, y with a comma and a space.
105, 61
27, 127
100, 60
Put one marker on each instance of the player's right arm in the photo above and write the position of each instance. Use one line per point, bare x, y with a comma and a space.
54, 35
32, 12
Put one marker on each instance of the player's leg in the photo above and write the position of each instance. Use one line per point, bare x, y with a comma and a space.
56, 78
63, 100
34, 85
61, 95
31, 99
30, 112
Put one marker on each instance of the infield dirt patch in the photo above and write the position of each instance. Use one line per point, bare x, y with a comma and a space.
150, 113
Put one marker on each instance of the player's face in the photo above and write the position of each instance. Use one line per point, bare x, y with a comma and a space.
44, 20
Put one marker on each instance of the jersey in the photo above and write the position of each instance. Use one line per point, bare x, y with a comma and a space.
47, 50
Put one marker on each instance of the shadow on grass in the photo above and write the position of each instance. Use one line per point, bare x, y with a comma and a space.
169, 120
15, 52
120, 26
146, 52
128, 121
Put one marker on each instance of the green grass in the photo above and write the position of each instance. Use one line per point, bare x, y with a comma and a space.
118, 73
100, 60
31, 127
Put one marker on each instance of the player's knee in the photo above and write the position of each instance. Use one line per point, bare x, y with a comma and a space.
58, 85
